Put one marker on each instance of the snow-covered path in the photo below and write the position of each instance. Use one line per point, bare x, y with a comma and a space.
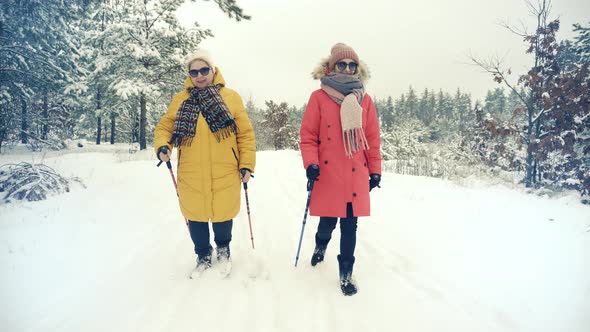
435, 256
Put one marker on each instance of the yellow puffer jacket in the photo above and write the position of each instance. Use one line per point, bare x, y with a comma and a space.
208, 171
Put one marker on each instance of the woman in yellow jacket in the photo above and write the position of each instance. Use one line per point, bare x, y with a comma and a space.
208, 124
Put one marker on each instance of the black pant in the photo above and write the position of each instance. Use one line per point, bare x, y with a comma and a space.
347, 232
200, 235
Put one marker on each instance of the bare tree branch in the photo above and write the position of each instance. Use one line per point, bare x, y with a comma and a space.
494, 67
519, 31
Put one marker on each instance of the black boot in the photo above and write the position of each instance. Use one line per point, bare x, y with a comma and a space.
223, 253
318, 255
346, 283
223, 261
319, 251
203, 263
204, 259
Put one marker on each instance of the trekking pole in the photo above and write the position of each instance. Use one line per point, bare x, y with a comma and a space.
169, 165
309, 189
248, 209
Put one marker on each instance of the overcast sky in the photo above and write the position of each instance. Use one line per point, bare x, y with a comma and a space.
423, 43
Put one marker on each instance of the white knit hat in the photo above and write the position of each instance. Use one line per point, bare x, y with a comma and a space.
202, 55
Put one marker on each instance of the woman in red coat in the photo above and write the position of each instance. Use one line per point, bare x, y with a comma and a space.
340, 147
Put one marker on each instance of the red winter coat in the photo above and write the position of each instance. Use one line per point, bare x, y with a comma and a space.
341, 179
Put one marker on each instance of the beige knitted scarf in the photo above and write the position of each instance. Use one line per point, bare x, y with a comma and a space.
348, 92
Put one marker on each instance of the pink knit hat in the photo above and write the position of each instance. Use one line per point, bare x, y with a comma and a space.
341, 51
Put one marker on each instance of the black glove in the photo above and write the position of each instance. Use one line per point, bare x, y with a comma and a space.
312, 172
163, 149
374, 181
243, 171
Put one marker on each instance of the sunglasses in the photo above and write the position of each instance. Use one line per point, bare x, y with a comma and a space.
195, 72
342, 66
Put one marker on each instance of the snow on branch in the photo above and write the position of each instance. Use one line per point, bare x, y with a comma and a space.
31, 182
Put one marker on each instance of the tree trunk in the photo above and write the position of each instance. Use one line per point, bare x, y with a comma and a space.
2, 130
534, 101
142, 122
537, 170
99, 124
23, 123
135, 130
531, 142
530, 162
135, 125
98, 130
3, 121
112, 127
534, 171
45, 117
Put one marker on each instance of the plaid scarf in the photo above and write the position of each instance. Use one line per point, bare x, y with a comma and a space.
208, 102
348, 91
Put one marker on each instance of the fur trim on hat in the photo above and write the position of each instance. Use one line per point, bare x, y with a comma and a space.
322, 69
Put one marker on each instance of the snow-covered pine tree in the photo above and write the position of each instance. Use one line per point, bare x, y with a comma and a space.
425, 109
411, 104
399, 108
495, 104
542, 45
276, 119
99, 100
495, 142
538, 82
296, 116
38, 56
462, 115
404, 146
582, 42
566, 56
514, 106
564, 152
387, 115
142, 52
263, 136
441, 126
140, 55
557, 109
582, 98
8, 125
